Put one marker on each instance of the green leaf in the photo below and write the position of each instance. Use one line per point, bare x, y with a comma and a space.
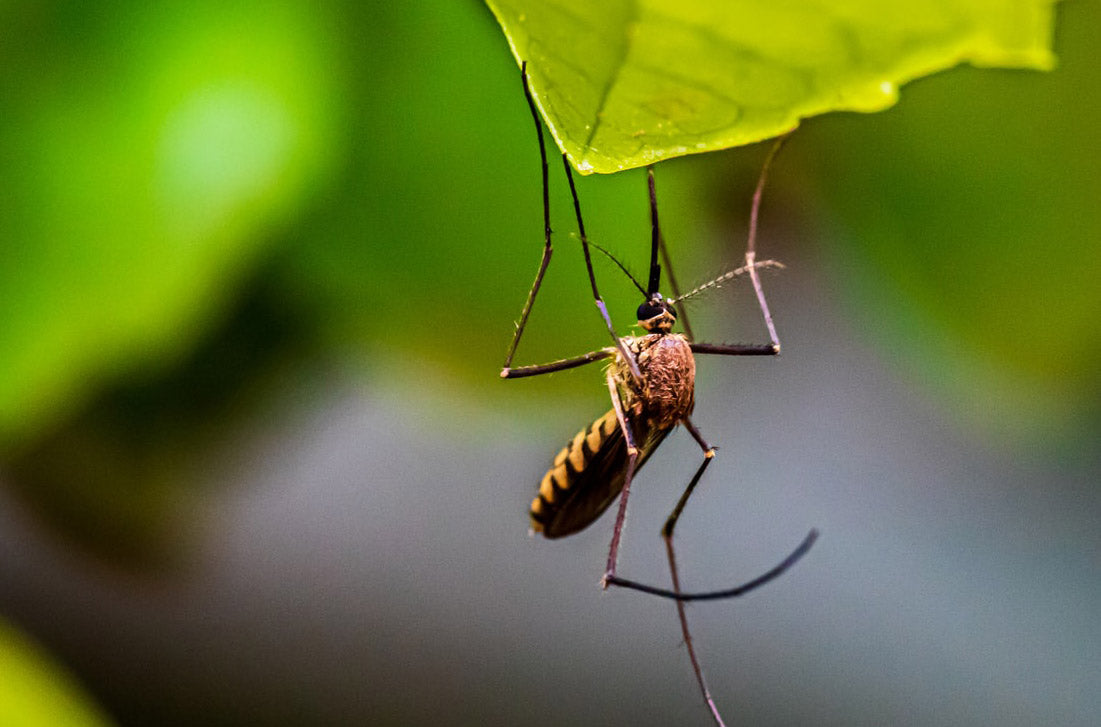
625, 83
36, 692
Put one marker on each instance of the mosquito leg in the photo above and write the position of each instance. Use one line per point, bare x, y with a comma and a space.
739, 590
655, 236
560, 365
658, 243
667, 536
751, 242
751, 349
682, 309
547, 250
747, 349
632, 457
708, 455
631, 364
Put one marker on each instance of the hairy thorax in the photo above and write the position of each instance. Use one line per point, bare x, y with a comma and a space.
667, 394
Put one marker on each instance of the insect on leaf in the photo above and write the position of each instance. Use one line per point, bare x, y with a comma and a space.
624, 83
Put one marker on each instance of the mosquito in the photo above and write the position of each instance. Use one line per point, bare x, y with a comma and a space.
651, 382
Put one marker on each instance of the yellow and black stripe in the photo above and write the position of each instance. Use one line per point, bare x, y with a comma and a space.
586, 477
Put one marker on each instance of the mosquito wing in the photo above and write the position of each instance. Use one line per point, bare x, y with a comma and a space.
587, 476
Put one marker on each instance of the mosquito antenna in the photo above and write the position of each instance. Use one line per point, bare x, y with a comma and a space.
727, 276
655, 237
620, 265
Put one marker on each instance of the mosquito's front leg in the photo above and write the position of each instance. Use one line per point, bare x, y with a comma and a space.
547, 250
507, 370
627, 357
561, 365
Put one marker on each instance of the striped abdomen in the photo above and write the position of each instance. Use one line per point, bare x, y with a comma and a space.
587, 475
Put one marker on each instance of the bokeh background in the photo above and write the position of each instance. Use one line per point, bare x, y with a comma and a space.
259, 267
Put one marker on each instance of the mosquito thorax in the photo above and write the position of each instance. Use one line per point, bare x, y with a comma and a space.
657, 315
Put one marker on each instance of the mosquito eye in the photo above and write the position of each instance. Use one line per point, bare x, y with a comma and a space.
648, 310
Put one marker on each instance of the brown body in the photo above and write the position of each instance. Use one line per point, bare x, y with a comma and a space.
588, 474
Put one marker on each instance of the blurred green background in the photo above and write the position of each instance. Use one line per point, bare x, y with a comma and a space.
258, 272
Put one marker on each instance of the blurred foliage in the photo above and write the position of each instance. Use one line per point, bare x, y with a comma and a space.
965, 228
145, 151
120, 474
36, 692
205, 205
626, 83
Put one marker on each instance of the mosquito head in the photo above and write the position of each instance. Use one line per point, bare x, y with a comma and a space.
657, 315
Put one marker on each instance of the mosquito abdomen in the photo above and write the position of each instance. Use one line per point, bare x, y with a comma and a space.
569, 465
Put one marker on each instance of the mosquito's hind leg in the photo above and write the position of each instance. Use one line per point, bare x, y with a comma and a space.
677, 595
667, 533
667, 536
